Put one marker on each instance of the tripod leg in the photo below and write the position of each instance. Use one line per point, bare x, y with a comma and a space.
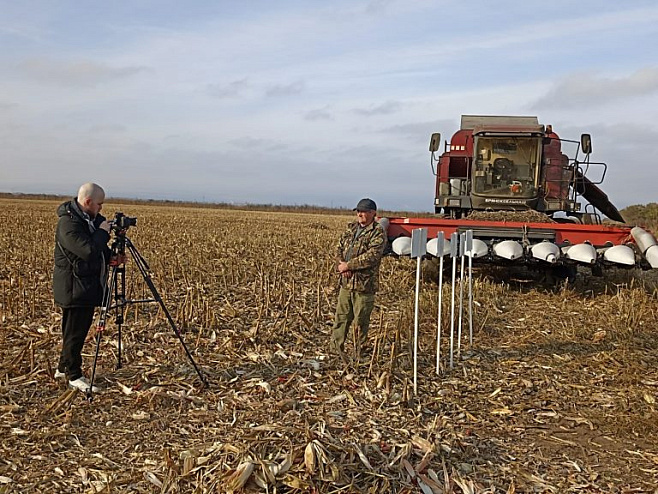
100, 326
143, 268
119, 297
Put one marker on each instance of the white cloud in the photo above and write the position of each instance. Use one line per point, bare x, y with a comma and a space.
232, 89
107, 128
319, 114
584, 89
385, 108
75, 73
290, 89
417, 129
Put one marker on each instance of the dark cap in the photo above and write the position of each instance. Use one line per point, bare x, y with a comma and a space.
366, 205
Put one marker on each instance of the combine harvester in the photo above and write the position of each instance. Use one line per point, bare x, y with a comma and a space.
507, 179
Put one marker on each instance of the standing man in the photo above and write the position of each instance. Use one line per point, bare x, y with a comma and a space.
81, 258
358, 257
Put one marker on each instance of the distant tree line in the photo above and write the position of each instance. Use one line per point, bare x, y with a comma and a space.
644, 215
289, 208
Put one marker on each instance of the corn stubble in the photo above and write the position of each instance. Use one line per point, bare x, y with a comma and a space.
558, 392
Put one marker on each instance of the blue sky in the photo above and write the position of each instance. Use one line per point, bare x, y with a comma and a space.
309, 102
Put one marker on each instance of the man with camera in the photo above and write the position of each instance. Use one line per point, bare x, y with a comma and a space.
358, 256
81, 260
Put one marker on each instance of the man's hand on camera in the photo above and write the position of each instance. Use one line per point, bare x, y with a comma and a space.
105, 225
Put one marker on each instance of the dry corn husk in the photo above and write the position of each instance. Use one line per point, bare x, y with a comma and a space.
238, 478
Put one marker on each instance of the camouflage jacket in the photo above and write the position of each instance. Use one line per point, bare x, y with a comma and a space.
363, 253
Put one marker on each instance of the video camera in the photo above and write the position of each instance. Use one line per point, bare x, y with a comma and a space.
121, 222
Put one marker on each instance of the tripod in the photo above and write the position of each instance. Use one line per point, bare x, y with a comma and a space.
115, 287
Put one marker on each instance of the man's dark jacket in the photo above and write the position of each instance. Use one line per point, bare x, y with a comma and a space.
81, 258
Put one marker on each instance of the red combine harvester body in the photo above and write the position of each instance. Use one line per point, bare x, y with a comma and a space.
507, 179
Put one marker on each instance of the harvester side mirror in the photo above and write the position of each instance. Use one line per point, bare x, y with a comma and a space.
586, 143
435, 142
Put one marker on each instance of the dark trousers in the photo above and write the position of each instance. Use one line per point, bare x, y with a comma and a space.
76, 322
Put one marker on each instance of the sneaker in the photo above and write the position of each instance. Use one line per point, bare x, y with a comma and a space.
59, 375
82, 383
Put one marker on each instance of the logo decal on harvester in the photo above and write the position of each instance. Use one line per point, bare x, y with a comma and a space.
505, 201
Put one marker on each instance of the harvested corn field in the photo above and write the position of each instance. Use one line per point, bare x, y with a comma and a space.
557, 393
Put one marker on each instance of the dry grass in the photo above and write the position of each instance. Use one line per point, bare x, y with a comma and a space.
558, 393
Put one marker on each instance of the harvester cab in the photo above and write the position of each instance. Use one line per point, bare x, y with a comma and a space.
509, 181
513, 163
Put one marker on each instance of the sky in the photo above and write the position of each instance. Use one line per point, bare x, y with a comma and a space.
312, 102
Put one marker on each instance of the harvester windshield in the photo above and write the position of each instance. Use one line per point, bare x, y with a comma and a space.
506, 166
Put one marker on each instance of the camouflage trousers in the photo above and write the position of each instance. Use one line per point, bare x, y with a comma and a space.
352, 305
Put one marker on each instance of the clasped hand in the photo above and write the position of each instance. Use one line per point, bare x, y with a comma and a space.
344, 270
